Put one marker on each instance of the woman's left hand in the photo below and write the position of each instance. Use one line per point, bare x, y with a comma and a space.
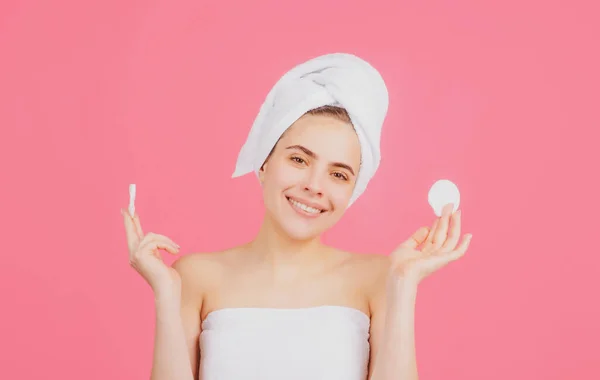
430, 249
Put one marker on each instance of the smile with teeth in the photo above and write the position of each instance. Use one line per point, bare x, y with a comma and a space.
303, 207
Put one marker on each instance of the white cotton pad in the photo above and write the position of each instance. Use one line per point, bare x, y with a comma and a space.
441, 193
132, 200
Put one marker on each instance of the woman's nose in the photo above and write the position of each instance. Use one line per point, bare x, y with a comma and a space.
313, 183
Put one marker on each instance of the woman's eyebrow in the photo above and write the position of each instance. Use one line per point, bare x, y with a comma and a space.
312, 154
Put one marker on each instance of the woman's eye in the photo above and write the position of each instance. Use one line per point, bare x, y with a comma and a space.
340, 176
298, 160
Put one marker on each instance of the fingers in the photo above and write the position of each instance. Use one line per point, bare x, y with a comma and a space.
131, 233
428, 244
438, 235
153, 241
137, 241
429, 240
459, 251
138, 225
454, 233
417, 238
439, 260
441, 231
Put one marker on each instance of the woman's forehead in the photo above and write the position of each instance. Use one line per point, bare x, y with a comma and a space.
326, 136
315, 127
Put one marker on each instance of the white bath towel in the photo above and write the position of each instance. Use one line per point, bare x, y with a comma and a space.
338, 79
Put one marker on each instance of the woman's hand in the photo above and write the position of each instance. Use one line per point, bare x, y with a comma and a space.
429, 249
145, 257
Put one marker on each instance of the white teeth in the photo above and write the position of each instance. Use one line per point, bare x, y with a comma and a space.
304, 207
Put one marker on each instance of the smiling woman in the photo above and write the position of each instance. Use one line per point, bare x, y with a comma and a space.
285, 305
312, 169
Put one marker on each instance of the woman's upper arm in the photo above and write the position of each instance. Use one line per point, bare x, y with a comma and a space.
377, 305
188, 268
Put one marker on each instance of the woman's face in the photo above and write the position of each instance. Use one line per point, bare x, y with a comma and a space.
309, 178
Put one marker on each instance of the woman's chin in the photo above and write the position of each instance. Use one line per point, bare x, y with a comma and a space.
301, 232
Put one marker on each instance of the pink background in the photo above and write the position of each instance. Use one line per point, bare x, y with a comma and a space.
501, 99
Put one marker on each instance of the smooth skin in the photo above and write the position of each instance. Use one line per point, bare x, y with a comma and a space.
287, 266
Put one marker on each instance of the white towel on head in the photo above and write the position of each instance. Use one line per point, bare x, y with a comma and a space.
338, 79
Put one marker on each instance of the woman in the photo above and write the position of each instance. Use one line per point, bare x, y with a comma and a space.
286, 306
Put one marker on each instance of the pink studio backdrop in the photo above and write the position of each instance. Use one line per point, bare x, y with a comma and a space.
501, 99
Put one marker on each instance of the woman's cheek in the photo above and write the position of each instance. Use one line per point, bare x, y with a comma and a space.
340, 195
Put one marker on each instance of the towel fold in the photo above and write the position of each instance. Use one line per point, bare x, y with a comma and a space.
337, 79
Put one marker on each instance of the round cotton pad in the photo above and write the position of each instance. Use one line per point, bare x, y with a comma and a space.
441, 193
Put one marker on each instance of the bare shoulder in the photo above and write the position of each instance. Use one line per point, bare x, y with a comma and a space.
364, 270
368, 266
192, 262
367, 273
200, 271
371, 273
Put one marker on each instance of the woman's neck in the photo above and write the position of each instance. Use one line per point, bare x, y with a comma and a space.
274, 246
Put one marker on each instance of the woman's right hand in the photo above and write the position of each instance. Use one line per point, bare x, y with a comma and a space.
145, 257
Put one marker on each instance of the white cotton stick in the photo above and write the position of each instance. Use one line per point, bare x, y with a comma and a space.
132, 200
441, 193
